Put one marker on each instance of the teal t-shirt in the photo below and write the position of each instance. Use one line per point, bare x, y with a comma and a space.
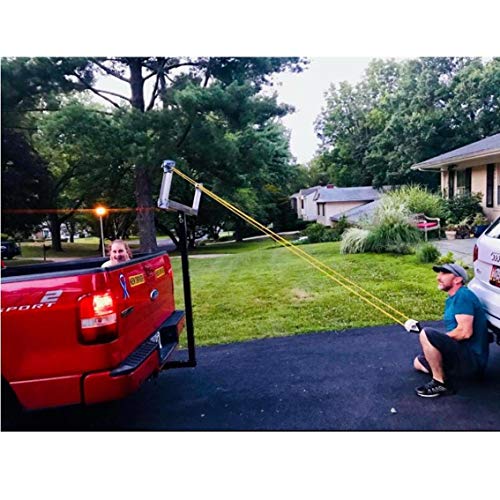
465, 302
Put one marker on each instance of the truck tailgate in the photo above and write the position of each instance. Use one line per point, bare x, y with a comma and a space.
145, 298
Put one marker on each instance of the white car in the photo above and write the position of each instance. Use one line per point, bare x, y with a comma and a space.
486, 282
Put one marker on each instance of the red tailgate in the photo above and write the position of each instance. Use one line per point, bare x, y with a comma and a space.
145, 298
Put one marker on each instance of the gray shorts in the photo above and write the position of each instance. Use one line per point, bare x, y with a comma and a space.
458, 360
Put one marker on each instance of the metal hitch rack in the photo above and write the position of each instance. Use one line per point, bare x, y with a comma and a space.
165, 203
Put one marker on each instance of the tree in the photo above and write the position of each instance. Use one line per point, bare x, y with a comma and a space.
198, 73
28, 85
81, 146
25, 184
156, 123
403, 113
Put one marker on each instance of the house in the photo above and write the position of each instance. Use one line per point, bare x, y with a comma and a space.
303, 203
474, 168
353, 202
357, 214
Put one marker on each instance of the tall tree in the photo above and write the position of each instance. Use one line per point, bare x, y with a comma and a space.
166, 72
28, 86
157, 100
402, 113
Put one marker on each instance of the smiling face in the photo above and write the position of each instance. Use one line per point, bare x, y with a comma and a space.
118, 253
448, 281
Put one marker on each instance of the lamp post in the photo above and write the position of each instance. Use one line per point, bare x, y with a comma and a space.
101, 212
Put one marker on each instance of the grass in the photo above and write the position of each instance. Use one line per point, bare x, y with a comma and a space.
237, 247
263, 290
83, 247
258, 294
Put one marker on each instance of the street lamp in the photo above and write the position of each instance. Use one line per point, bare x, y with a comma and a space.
101, 212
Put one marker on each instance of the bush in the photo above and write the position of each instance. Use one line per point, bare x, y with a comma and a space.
317, 233
389, 211
392, 238
354, 240
462, 207
418, 199
390, 230
427, 253
448, 258
314, 232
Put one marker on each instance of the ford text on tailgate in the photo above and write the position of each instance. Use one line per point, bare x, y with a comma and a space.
76, 333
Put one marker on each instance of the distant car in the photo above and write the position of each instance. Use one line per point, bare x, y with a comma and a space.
486, 281
10, 249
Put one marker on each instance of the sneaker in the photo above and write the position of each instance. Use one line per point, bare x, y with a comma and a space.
433, 389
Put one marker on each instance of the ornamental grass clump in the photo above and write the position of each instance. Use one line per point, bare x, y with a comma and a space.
418, 199
391, 231
354, 240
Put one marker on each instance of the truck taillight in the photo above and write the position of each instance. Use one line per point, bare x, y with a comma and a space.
475, 253
98, 319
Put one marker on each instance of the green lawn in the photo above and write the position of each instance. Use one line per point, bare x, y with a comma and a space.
267, 292
263, 290
82, 247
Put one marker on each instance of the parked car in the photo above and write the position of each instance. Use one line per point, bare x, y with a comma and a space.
486, 281
10, 249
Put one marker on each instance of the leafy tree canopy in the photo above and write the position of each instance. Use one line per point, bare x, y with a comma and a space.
402, 113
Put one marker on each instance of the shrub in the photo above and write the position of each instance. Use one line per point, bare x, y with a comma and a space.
317, 233
419, 199
331, 234
427, 253
448, 258
390, 230
462, 207
354, 240
390, 211
314, 232
392, 238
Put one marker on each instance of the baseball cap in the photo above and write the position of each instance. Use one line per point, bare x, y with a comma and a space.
454, 269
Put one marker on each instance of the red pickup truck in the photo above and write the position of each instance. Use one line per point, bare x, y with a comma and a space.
73, 332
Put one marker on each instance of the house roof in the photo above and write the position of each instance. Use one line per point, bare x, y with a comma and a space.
343, 194
484, 147
310, 190
305, 191
357, 213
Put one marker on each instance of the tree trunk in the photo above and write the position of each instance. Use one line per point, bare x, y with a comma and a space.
72, 229
55, 230
145, 214
145, 210
136, 83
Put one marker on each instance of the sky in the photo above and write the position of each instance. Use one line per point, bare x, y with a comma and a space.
306, 92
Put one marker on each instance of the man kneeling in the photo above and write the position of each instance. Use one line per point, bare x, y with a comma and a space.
463, 349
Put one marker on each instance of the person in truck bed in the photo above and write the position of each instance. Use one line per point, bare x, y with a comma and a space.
463, 349
119, 253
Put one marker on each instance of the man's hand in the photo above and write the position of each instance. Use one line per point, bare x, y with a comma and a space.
412, 326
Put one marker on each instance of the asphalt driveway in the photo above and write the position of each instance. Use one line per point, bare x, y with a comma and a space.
358, 379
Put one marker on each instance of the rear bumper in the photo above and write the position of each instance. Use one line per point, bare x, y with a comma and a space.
124, 379
489, 297
141, 364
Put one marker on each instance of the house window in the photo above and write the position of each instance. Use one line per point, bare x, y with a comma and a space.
321, 209
490, 176
464, 181
451, 183
302, 203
